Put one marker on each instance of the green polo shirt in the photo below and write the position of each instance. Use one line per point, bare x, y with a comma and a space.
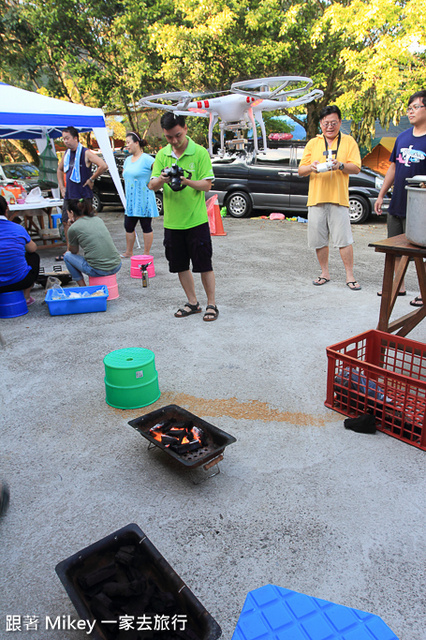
187, 208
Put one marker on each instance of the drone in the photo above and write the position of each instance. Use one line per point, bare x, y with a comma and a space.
239, 109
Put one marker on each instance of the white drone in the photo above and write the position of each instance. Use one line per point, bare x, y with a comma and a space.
242, 107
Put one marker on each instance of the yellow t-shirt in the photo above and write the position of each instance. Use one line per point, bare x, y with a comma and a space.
332, 186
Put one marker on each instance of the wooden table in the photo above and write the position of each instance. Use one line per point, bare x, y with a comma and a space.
393, 248
34, 220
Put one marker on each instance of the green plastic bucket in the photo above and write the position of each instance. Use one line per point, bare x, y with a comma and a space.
131, 380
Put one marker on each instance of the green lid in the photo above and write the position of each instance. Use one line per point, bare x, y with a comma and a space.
128, 358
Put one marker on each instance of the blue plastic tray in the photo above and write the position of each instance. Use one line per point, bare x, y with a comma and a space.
77, 305
274, 613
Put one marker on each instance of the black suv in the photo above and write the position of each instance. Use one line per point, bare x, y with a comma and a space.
105, 193
269, 181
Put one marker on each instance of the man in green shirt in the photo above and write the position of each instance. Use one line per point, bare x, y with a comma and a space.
186, 228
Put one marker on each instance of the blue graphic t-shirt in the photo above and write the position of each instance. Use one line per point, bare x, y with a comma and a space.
409, 155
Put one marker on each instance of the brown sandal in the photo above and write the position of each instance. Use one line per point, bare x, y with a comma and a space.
212, 315
183, 313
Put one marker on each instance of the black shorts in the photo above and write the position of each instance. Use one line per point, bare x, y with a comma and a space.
33, 261
130, 223
396, 225
185, 245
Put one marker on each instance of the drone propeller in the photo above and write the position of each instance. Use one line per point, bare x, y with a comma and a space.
177, 100
273, 88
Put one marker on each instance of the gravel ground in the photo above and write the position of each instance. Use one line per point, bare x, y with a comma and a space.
300, 502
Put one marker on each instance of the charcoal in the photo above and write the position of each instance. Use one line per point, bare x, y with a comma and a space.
163, 601
124, 589
125, 555
95, 577
103, 608
161, 426
184, 426
169, 440
132, 572
188, 446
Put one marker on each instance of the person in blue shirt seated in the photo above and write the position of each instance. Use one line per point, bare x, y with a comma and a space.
19, 261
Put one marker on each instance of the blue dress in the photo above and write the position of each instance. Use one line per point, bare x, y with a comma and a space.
140, 200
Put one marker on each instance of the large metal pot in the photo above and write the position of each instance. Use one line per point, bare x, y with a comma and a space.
415, 229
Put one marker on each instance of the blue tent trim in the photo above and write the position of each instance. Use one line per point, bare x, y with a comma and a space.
50, 120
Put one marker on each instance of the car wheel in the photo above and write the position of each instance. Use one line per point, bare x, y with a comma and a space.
96, 202
238, 204
159, 201
359, 209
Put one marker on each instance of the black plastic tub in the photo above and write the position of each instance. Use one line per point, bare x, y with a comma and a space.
100, 558
216, 439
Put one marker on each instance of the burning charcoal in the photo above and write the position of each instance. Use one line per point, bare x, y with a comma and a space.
186, 447
177, 433
168, 440
199, 433
160, 426
95, 577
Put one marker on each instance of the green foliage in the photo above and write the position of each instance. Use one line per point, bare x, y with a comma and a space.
365, 55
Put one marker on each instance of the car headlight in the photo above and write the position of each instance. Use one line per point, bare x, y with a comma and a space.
378, 183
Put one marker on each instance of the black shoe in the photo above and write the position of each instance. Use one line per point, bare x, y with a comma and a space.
365, 423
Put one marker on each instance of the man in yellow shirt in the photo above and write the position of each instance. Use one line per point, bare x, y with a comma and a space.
328, 160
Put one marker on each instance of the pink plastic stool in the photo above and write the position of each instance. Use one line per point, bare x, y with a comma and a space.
136, 261
108, 281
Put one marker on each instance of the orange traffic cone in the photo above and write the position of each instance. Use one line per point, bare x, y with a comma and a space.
215, 219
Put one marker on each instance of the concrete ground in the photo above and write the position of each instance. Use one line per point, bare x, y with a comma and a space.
300, 502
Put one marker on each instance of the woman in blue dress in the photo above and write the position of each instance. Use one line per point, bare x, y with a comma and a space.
141, 205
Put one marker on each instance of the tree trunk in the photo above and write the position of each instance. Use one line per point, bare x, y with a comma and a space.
312, 121
27, 149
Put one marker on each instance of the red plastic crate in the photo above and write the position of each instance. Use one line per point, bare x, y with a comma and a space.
382, 374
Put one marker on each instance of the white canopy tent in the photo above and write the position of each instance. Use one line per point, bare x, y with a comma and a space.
25, 115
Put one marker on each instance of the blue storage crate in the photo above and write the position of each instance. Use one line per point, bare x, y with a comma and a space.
68, 306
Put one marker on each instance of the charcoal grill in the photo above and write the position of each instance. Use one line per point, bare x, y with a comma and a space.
100, 558
207, 456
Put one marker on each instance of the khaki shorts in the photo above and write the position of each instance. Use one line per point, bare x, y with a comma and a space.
329, 221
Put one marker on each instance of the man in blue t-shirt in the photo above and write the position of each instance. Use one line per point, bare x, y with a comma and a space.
408, 159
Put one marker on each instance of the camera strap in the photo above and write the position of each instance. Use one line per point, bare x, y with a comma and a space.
325, 153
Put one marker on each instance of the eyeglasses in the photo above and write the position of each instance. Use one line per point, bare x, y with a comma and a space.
330, 124
414, 107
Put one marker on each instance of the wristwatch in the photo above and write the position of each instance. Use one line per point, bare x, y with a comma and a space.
341, 166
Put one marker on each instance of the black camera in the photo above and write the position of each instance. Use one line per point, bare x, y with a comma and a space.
176, 174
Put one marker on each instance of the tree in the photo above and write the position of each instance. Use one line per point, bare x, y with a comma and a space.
361, 53
386, 62
365, 55
219, 42
94, 52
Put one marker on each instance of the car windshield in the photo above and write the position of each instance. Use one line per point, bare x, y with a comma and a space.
20, 171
